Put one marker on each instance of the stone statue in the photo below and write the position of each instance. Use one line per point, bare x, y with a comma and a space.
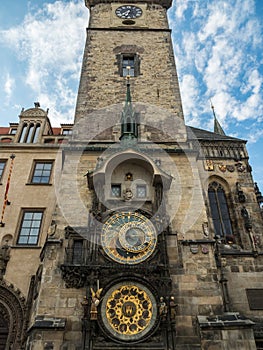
173, 307
4, 258
95, 300
163, 309
127, 194
85, 305
245, 215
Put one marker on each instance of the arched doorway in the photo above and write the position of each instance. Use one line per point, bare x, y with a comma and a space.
12, 317
4, 329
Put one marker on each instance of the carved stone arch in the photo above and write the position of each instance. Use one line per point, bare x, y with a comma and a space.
12, 310
220, 180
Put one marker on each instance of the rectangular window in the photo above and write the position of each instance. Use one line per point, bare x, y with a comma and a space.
2, 168
141, 191
30, 227
13, 131
128, 66
77, 252
67, 132
115, 190
42, 172
255, 299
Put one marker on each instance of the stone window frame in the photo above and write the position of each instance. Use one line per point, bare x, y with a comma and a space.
43, 173
67, 131
31, 221
138, 187
119, 187
129, 55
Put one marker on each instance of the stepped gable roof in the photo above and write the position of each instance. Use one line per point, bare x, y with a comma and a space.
205, 135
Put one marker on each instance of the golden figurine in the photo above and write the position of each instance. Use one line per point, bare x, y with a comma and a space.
95, 300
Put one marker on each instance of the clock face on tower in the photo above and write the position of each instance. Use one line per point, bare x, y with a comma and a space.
128, 12
128, 237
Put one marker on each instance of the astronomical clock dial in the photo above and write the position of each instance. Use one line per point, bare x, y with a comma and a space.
128, 311
128, 238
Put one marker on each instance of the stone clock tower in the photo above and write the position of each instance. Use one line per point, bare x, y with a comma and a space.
141, 242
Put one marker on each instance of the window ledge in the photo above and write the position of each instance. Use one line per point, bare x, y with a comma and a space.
25, 247
133, 200
38, 184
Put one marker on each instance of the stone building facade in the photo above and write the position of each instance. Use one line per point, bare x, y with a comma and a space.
128, 229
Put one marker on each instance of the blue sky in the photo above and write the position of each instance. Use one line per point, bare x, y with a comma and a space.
218, 50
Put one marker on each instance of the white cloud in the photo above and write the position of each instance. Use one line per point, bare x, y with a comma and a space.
180, 7
190, 95
51, 42
8, 87
223, 56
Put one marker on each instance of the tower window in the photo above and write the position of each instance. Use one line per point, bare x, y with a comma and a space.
128, 66
67, 132
77, 252
115, 190
30, 227
219, 210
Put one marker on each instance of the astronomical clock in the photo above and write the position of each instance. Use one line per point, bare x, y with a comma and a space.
129, 297
128, 238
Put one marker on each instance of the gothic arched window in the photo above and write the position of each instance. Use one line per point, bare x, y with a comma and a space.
219, 210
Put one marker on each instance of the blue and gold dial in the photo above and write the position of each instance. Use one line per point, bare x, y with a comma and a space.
128, 237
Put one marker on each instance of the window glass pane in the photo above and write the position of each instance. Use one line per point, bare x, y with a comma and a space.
219, 210
28, 216
35, 223
141, 191
38, 215
116, 190
46, 172
47, 166
22, 240
34, 232
44, 180
2, 166
32, 240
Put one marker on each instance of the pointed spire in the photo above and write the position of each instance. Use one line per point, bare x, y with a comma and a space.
217, 127
128, 110
128, 118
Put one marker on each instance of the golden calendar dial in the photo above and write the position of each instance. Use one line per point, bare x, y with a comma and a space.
128, 237
129, 311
